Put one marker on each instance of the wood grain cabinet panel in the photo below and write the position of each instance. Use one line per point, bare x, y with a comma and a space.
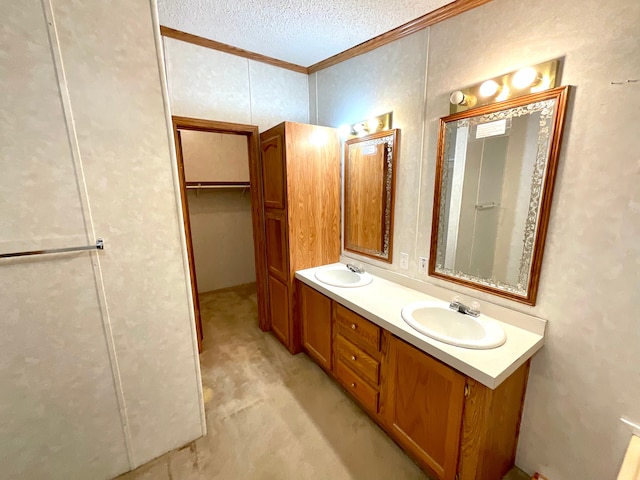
423, 405
300, 167
366, 394
358, 360
273, 168
315, 319
358, 329
276, 239
279, 309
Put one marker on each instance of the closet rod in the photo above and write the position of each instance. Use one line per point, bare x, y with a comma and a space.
98, 246
219, 186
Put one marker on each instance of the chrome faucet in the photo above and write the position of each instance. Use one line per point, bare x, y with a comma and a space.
355, 269
460, 307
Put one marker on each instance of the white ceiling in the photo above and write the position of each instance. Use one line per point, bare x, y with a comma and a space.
303, 32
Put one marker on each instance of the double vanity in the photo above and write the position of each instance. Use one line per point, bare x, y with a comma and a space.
445, 378
455, 409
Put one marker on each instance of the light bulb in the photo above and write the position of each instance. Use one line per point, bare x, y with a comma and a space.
504, 94
543, 84
373, 124
344, 131
524, 78
358, 128
489, 88
458, 98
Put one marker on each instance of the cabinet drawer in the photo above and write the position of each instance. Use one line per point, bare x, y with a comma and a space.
358, 360
357, 329
357, 386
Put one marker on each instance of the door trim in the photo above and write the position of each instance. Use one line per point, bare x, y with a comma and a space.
257, 214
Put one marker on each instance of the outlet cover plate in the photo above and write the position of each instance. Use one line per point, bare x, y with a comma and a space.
422, 265
404, 261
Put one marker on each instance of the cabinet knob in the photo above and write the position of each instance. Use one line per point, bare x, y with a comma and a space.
353, 385
353, 357
353, 326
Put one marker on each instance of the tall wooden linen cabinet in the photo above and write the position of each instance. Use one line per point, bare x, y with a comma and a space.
301, 199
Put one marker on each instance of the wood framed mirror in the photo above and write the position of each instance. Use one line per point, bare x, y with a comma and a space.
495, 172
369, 193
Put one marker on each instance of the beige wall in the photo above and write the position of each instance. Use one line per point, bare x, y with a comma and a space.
220, 219
214, 157
98, 365
222, 235
205, 83
586, 376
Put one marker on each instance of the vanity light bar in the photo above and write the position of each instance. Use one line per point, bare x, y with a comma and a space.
366, 127
529, 79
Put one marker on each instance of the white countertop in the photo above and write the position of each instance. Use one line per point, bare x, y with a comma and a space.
382, 301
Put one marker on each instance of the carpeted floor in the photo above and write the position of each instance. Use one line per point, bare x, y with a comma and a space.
271, 415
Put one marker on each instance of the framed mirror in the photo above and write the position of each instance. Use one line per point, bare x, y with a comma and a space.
495, 172
369, 180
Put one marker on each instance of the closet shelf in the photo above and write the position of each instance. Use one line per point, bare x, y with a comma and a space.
214, 185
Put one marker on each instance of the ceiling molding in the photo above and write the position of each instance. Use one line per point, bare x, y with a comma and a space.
223, 47
450, 10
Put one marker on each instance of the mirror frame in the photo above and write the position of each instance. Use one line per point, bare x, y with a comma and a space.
391, 162
560, 94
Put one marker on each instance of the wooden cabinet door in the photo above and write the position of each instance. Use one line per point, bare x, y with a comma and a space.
315, 314
275, 224
422, 407
273, 168
279, 309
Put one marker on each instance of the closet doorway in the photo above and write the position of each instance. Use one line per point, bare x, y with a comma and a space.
219, 170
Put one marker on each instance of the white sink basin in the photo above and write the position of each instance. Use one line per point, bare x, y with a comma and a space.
341, 276
436, 320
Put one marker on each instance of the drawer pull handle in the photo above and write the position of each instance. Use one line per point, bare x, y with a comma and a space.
353, 385
353, 326
353, 357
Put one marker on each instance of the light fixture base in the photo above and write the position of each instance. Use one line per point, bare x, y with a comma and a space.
545, 78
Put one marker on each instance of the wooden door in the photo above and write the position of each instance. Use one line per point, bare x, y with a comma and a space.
422, 407
315, 314
273, 167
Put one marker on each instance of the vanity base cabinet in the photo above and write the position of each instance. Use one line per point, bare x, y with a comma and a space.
490, 427
315, 320
422, 406
454, 427
279, 309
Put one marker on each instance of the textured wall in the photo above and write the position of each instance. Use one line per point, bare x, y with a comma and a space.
205, 83
214, 157
390, 78
222, 235
220, 219
587, 374
97, 353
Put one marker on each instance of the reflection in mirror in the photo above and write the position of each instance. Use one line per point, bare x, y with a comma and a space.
494, 182
369, 178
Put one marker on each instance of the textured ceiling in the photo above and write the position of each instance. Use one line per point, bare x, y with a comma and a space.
303, 32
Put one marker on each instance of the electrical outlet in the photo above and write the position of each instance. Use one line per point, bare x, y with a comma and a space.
404, 261
423, 265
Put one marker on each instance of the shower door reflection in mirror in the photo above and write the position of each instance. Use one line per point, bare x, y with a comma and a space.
494, 181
